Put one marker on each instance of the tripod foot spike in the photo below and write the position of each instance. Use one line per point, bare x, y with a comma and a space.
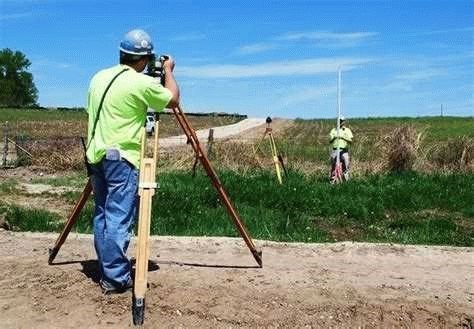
138, 311
52, 254
257, 254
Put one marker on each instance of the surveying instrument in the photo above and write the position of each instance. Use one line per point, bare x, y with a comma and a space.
147, 186
276, 157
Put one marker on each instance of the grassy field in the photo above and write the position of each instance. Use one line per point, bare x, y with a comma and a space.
433, 144
308, 139
441, 143
407, 208
72, 124
429, 204
52, 137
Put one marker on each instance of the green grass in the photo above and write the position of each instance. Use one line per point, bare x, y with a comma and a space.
24, 219
8, 186
408, 208
75, 180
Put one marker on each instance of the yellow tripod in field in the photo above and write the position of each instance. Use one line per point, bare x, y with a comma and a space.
277, 158
146, 190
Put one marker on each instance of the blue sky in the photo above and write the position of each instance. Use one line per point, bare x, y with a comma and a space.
262, 58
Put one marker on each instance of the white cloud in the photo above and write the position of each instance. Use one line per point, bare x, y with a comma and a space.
255, 48
308, 93
284, 68
425, 74
189, 37
330, 39
4, 17
468, 29
46, 64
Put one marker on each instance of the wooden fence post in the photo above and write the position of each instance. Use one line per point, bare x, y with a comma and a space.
210, 141
5, 145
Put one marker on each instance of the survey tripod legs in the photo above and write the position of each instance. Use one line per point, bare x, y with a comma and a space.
193, 140
276, 157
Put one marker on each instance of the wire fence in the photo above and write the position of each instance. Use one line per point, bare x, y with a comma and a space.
369, 154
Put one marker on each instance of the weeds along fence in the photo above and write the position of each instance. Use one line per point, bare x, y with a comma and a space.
401, 149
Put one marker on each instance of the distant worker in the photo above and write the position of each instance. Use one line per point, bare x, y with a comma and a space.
117, 105
340, 144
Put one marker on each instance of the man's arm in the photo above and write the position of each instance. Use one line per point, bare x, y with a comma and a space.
348, 136
332, 136
170, 83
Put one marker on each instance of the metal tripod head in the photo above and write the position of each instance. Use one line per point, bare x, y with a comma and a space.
269, 122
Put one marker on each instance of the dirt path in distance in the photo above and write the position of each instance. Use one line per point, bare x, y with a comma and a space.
214, 283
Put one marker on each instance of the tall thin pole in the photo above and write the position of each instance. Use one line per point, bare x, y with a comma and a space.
338, 158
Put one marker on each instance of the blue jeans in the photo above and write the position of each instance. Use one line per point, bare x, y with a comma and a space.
115, 186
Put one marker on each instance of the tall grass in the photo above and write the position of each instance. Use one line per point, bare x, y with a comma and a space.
441, 143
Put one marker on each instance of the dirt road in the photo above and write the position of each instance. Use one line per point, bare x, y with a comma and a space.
219, 132
213, 283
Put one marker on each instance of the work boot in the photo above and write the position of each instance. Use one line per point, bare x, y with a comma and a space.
108, 288
346, 175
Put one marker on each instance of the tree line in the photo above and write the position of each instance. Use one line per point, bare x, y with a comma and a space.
17, 88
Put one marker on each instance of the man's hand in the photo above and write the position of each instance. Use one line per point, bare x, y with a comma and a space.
168, 64
170, 82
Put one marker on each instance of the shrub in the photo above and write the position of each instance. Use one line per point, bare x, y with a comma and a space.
401, 148
456, 153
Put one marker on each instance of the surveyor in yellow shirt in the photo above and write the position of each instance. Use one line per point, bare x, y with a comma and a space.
340, 142
118, 100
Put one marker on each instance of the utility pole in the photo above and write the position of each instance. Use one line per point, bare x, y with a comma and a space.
441, 109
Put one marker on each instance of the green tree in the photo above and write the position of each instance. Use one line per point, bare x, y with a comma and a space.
17, 88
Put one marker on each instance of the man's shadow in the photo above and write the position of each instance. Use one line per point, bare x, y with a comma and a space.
91, 269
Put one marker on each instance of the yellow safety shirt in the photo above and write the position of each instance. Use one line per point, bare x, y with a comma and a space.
123, 111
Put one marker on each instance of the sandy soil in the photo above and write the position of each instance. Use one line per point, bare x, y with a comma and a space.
214, 283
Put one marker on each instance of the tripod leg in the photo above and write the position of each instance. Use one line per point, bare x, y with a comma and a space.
186, 126
146, 190
143, 247
280, 158
256, 149
194, 166
71, 221
275, 159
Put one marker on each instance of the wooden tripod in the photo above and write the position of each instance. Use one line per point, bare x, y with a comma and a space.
191, 135
147, 187
277, 158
